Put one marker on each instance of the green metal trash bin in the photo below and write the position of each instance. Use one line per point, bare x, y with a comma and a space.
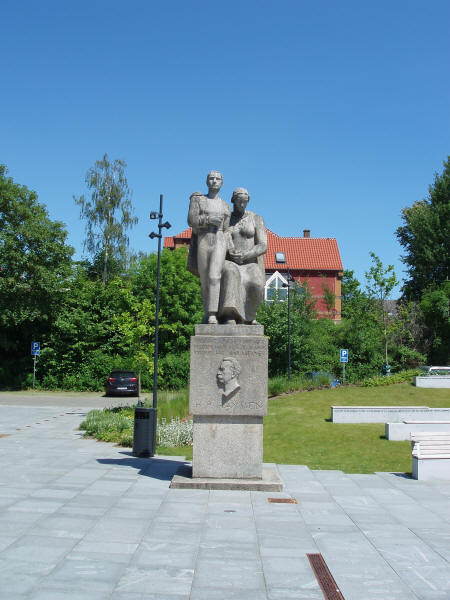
144, 435
386, 370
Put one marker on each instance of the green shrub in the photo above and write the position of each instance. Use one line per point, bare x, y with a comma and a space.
380, 380
109, 425
174, 369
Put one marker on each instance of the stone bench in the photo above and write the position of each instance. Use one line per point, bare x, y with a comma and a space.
430, 455
402, 431
387, 414
432, 381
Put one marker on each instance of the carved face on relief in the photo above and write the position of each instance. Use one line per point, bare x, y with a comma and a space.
227, 375
214, 181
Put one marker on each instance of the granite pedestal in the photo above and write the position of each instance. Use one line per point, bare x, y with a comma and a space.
228, 400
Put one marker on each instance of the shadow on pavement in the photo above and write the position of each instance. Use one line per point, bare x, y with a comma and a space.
156, 468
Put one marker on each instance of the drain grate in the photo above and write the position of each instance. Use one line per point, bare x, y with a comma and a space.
324, 577
282, 500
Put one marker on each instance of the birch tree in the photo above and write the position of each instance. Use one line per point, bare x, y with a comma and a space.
108, 211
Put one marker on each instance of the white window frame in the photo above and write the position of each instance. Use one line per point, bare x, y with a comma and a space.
275, 276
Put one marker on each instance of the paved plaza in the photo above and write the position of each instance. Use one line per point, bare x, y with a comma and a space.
85, 520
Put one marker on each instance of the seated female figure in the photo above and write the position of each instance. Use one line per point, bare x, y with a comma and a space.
243, 277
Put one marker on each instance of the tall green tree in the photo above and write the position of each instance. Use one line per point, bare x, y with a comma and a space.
435, 305
35, 262
380, 283
425, 236
108, 212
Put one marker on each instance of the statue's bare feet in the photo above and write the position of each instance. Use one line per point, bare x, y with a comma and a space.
212, 320
230, 322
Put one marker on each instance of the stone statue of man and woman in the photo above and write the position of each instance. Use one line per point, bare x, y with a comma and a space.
227, 253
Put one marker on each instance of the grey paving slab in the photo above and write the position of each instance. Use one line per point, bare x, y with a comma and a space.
223, 550
221, 594
87, 556
44, 593
62, 526
80, 575
38, 549
166, 554
289, 576
158, 580
83, 519
138, 596
437, 539
15, 579
189, 533
242, 574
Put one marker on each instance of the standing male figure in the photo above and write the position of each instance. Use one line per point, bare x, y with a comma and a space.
209, 217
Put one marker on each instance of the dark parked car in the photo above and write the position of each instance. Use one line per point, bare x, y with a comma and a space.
323, 378
122, 383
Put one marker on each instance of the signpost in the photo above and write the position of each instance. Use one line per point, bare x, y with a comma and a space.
35, 351
344, 359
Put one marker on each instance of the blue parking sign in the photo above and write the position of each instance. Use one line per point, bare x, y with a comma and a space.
35, 348
344, 355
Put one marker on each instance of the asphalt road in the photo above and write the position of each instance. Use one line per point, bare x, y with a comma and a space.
64, 399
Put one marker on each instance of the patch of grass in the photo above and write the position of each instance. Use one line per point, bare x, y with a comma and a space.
185, 451
297, 429
281, 384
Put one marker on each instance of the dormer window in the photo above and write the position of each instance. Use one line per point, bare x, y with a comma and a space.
280, 257
275, 288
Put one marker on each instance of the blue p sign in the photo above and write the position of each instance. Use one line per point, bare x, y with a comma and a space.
344, 355
35, 348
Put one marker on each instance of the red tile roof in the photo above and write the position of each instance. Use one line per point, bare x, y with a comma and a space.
169, 240
301, 253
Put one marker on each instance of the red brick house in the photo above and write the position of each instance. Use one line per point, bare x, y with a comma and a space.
315, 262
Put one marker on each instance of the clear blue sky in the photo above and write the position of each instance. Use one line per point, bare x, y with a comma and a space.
334, 115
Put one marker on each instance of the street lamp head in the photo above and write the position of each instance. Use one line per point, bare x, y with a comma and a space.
167, 225
154, 214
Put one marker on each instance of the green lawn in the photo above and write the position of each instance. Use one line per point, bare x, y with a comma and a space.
297, 429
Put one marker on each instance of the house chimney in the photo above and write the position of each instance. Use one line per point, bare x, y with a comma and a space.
307, 233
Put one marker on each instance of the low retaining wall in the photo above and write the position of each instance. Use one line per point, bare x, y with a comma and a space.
433, 381
387, 414
402, 431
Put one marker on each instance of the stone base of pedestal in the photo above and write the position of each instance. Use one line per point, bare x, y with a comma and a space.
228, 447
269, 482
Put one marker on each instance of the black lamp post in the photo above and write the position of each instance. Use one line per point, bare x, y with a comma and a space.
289, 279
152, 235
280, 258
145, 419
